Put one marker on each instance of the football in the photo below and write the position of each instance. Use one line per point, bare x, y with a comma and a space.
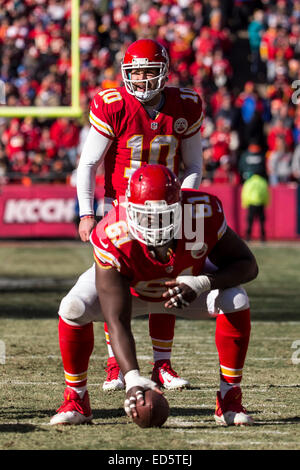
155, 411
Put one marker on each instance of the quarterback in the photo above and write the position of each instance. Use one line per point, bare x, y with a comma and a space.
143, 265
141, 122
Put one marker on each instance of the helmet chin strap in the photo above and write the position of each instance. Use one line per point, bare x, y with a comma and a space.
164, 252
145, 100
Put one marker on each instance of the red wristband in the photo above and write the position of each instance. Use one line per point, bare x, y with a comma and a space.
87, 217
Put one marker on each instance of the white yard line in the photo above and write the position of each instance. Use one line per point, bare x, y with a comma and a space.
190, 390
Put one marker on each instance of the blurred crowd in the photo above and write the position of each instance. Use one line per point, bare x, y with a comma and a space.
242, 56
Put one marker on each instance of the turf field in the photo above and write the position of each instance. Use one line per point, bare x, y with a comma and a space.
34, 277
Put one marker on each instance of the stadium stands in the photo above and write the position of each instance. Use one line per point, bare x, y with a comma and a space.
241, 56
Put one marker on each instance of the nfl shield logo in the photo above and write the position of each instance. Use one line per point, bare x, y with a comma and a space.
154, 126
169, 269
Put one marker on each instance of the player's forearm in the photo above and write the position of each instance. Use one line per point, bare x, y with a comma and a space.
192, 159
236, 273
116, 314
192, 179
86, 177
115, 299
235, 262
123, 345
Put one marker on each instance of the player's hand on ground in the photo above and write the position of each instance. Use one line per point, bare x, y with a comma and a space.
85, 228
178, 295
135, 395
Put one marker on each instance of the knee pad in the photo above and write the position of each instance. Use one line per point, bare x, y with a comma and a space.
231, 300
72, 310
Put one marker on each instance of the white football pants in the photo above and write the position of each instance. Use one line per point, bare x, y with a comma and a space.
81, 305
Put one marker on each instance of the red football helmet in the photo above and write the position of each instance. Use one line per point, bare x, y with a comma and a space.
145, 54
153, 205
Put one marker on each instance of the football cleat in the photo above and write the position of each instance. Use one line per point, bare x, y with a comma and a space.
114, 379
74, 410
166, 377
230, 411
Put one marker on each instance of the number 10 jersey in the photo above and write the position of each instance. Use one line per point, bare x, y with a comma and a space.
137, 138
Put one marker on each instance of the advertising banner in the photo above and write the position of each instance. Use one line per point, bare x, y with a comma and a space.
50, 211
41, 211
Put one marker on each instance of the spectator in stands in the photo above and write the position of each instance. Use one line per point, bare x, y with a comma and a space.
252, 161
251, 109
3, 167
279, 129
220, 139
279, 163
35, 63
19, 166
242, 10
204, 42
13, 139
65, 135
209, 165
296, 131
296, 164
227, 111
31, 133
39, 170
46, 144
49, 93
226, 172
268, 48
221, 69
255, 32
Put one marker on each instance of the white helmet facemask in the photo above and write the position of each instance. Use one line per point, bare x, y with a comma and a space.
144, 64
154, 223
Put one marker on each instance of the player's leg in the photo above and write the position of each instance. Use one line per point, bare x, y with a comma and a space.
114, 378
261, 217
230, 307
161, 329
78, 309
232, 336
250, 220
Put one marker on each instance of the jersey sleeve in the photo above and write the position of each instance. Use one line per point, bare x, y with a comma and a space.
193, 107
105, 239
104, 109
218, 217
208, 208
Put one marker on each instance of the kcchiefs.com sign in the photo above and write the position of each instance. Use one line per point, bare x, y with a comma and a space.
38, 212
31, 211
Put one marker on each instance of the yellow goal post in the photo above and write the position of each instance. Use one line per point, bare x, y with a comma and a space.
73, 111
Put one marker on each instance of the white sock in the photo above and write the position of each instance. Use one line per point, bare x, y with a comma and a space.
159, 355
80, 390
109, 348
225, 387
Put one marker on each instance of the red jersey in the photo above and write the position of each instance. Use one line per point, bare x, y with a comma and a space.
114, 246
137, 138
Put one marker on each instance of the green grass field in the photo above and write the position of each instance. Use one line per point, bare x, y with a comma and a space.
34, 277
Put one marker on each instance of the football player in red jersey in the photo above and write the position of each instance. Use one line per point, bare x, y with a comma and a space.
140, 122
149, 259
